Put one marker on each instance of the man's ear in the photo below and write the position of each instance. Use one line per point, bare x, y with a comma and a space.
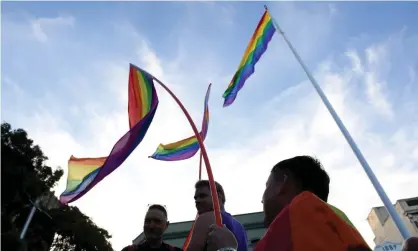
282, 187
221, 198
166, 225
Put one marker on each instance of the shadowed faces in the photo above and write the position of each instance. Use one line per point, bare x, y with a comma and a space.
203, 198
274, 198
155, 224
290, 177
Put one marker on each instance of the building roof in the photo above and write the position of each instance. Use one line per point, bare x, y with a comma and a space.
382, 213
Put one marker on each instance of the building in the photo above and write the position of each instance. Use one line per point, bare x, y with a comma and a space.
383, 226
177, 232
388, 246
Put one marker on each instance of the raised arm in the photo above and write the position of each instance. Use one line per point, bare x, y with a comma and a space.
200, 231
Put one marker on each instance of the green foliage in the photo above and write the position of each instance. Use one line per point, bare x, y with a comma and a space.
76, 231
25, 177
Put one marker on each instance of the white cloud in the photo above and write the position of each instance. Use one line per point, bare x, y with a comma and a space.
412, 75
376, 97
293, 122
375, 56
41, 26
355, 61
332, 10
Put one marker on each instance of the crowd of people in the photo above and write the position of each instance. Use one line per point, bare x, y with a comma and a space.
297, 217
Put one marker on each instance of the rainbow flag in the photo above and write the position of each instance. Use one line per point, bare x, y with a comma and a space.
309, 223
186, 148
85, 173
257, 46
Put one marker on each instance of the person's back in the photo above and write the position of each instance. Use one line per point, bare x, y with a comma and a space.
297, 215
308, 223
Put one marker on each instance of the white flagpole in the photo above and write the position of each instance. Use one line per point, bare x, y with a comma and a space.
28, 220
389, 206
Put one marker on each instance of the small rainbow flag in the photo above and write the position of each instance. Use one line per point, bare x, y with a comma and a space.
85, 173
188, 147
257, 46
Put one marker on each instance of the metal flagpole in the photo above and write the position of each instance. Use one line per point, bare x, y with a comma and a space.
379, 189
35, 206
28, 220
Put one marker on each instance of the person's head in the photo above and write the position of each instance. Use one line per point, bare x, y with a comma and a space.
155, 223
410, 244
202, 196
290, 177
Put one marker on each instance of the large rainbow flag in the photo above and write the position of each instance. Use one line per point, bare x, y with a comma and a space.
309, 223
186, 148
257, 46
85, 173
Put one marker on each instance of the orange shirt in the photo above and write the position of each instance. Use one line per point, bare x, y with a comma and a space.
309, 224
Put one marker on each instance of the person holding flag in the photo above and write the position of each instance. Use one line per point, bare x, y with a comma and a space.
206, 218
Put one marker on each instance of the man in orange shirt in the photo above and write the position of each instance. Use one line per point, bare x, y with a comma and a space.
296, 213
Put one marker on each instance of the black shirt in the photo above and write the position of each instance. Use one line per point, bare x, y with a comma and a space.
145, 247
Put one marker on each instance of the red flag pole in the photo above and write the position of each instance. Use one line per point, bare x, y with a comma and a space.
189, 236
200, 166
204, 154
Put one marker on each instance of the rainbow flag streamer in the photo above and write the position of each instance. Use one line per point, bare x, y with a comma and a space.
188, 147
85, 173
257, 46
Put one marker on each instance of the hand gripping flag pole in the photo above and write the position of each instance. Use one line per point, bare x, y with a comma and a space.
379, 189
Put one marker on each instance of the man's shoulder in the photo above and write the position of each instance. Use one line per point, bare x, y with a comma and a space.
207, 218
237, 222
129, 248
141, 246
172, 248
177, 248
209, 214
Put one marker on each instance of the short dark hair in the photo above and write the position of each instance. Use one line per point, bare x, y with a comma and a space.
219, 188
158, 207
308, 171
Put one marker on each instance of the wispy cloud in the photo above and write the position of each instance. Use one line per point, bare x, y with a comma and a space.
41, 26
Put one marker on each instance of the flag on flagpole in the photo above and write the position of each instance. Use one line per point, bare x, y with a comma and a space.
257, 46
373, 179
85, 173
186, 148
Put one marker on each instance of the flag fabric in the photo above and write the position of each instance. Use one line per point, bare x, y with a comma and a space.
257, 46
85, 173
308, 223
186, 148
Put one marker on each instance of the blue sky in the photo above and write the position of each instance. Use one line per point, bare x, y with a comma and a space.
64, 80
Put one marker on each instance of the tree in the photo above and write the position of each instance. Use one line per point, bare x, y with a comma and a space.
25, 177
76, 231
